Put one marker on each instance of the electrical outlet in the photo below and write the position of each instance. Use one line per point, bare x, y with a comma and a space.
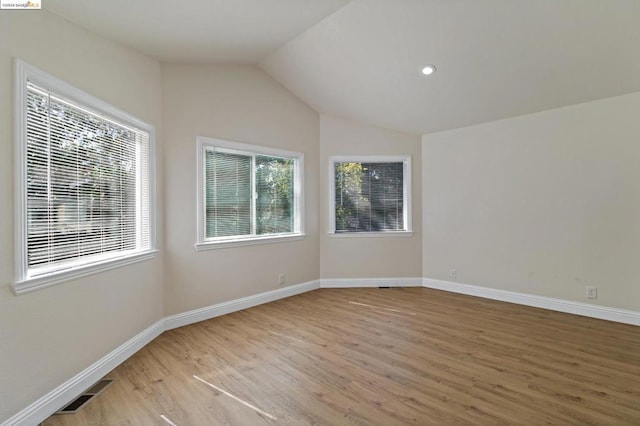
591, 292
282, 278
453, 273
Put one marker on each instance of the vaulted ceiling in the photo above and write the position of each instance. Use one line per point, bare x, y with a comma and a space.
203, 31
362, 59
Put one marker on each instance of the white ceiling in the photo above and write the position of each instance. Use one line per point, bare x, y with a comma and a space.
202, 31
495, 58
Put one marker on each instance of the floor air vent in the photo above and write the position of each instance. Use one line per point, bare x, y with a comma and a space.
87, 396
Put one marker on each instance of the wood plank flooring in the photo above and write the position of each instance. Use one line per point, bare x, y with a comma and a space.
379, 357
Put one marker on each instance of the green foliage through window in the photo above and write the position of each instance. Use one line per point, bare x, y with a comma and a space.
369, 197
248, 194
274, 187
84, 182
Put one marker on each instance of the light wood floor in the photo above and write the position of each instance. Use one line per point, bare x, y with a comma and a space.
379, 357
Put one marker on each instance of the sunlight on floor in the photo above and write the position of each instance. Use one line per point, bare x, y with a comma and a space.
380, 307
253, 407
166, 419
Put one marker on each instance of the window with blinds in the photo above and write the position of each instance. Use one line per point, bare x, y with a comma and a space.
229, 196
86, 184
247, 192
370, 195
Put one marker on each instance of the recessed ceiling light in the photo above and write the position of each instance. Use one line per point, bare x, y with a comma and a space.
429, 69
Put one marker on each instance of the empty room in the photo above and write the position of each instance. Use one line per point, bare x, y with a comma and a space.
319, 212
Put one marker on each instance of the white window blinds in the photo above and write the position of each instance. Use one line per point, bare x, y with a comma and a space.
247, 194
87, 185
369, 196
228, 194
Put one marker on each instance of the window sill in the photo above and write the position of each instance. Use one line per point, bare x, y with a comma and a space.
57, 277
380, 234
238, 242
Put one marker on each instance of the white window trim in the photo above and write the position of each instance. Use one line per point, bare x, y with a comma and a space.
234, 241
406, 188
23, 283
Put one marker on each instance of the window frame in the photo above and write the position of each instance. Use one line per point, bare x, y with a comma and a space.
203, 243
406, 189
23, 282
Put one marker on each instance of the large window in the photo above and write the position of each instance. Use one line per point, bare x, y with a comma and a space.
247, 193
84, 183
370, 195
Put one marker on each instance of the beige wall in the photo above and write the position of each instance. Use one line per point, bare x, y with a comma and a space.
242, 104
48, 336
367, 257
543, 204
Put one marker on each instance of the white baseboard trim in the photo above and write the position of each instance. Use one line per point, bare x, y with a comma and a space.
66, 392
560, 305
369, 282
197, 315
